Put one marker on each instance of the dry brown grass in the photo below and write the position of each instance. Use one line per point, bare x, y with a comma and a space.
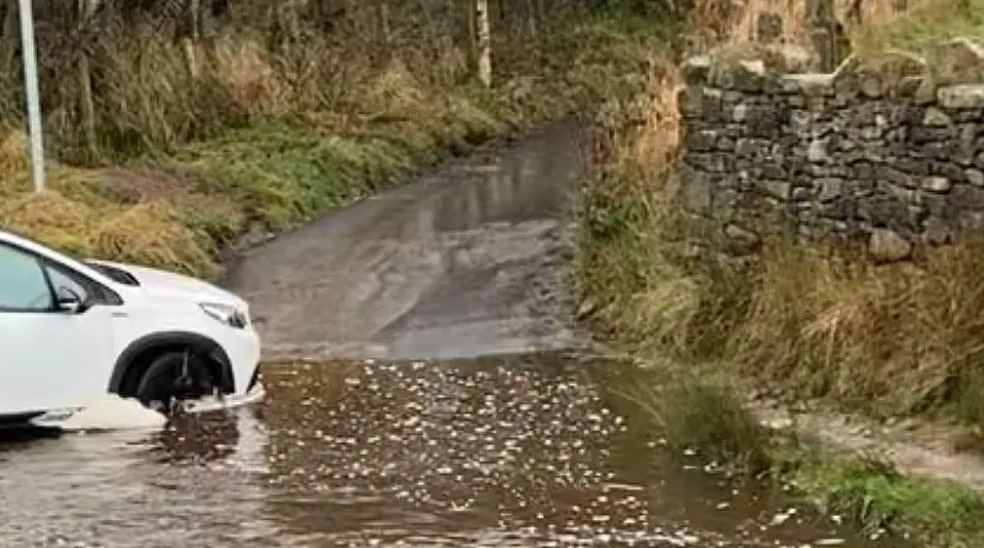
627, 208
890, 339
144, 233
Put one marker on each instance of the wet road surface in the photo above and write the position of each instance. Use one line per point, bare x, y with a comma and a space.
523, 451
528, 451
461, 263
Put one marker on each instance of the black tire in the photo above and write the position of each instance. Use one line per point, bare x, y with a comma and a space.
174, 377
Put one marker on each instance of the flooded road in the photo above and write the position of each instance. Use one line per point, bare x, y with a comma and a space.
528, 451
465, 451
464, 262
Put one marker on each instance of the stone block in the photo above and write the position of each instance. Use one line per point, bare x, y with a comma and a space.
935, 117
701, 140
936, 231
810, 85
886, 245
696, 192
975, 177
966, 197
831, 188
937, 184
697, 68
780, 190
971, 222
817, 151
711, 162
961, 96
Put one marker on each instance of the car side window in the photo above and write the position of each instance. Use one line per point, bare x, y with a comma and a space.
61, 281
23, 285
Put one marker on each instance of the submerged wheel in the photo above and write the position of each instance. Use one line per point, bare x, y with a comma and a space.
172, 378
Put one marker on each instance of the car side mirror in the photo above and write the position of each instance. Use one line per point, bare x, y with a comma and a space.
70, 302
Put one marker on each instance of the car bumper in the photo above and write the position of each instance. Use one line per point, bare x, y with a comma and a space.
243, 350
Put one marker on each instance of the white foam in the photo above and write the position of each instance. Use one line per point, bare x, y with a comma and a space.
110, 412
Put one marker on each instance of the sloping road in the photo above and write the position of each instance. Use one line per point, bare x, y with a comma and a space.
464, 262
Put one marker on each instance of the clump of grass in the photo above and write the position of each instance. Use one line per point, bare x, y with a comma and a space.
53, 218
874, 495
149, 234
700, 410
144, 233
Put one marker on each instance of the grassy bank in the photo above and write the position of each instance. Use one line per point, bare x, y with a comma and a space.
260, 137
805, 321
701, 409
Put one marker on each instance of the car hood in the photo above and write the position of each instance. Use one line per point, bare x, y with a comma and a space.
163, 283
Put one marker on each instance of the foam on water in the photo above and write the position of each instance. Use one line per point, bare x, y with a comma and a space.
111, 412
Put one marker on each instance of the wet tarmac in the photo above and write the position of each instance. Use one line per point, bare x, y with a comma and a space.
532, 451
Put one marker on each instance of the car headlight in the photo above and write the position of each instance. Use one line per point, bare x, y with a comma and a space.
229, 315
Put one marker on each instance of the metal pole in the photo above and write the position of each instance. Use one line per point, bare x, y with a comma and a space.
31, 89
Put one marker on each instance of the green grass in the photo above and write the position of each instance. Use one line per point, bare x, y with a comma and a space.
698, 410
282, 175
874, 495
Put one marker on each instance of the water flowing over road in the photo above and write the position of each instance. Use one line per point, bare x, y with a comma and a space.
426, 387
462, 263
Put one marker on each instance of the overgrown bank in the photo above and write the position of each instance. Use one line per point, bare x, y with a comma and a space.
167, 151
799, 322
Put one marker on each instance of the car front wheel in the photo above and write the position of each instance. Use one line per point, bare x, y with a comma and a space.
172, 378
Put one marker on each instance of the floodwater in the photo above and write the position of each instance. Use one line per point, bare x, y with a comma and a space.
534, 451
465, 451
466, 261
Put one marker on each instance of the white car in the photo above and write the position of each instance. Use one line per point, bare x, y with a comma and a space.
72, 331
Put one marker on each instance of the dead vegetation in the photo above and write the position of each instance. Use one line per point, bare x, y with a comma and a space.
189, 124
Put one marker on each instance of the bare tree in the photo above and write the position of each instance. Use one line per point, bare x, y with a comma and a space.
484, 42
189, 33
86, 12
385, 33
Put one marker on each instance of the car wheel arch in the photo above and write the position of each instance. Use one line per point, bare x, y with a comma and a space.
138, 355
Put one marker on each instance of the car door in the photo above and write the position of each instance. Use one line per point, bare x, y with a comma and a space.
49, 357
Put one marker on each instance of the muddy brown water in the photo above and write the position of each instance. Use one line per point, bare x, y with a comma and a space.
463, 449
533, 451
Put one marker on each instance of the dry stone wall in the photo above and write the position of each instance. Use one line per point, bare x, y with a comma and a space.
889, 153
